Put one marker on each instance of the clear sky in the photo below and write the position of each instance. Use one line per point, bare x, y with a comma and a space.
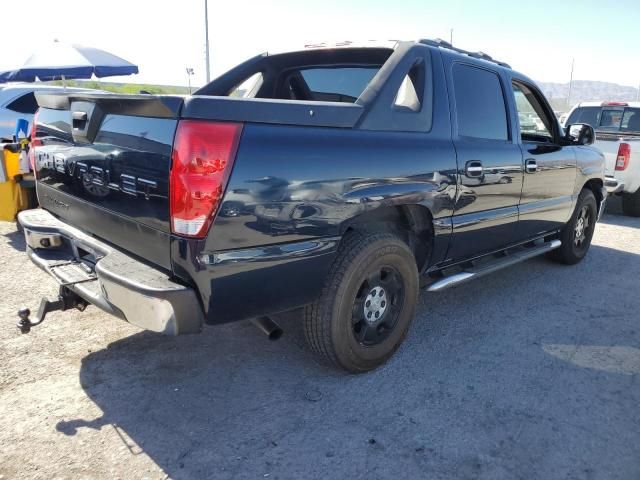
163, 37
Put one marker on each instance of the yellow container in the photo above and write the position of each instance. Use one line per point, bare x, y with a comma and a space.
12, 163
10, 200
13, 198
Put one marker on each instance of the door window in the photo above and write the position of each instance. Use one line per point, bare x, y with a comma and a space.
480, 106
535, 124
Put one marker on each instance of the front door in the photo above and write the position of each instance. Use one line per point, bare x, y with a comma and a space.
550, 167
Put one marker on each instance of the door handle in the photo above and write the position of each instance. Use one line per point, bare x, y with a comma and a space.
473, 168
530, 166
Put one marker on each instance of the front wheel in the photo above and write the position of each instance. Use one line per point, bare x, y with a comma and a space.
367, 303
577, 233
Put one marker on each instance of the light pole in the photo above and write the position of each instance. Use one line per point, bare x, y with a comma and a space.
189, 73
570, 84
638, 94
206, 38
451, 37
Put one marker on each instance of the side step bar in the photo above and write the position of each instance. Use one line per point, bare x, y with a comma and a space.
490, 267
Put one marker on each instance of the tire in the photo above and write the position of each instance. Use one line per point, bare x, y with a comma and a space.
373, 273
575, 236
631, 204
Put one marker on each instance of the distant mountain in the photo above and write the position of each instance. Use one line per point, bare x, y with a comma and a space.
586, 90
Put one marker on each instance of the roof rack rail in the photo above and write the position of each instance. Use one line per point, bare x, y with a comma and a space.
438, 42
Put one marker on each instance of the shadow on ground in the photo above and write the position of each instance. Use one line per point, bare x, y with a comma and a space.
472, 394
15, 239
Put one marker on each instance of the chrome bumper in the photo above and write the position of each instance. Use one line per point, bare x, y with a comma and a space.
108, 278
612, 185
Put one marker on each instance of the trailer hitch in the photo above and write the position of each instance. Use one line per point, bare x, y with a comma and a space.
65, 301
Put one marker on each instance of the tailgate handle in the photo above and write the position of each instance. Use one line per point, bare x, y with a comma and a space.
79, 116
79, 120
86, 118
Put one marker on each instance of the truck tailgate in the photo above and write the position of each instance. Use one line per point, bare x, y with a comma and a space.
609, 143
103, 164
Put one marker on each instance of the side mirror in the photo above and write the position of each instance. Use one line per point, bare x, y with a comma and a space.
580, 134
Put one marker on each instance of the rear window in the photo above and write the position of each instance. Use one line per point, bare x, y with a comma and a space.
332, 84
588, 115
616, 119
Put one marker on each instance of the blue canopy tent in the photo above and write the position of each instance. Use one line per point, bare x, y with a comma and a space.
60, 61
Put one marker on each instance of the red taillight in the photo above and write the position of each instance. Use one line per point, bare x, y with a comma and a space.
614, 104
624, 155
33, 142
203, 155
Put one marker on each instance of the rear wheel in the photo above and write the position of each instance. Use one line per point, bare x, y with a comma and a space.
367, 303
631, 204
577, 233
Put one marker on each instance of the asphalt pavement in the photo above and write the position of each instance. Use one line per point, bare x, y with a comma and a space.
530, 373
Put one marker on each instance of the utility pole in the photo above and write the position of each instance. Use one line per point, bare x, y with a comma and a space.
570, 84
206, 38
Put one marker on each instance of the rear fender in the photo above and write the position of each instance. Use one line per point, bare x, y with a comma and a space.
422, 208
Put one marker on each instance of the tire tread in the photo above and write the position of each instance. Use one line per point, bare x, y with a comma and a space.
317, 316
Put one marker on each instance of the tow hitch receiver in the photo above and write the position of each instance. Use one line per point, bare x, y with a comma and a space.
66, 300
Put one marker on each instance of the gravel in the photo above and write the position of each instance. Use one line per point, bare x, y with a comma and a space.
533, 372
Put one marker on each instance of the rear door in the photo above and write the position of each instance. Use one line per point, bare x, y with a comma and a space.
489, 162
550, 167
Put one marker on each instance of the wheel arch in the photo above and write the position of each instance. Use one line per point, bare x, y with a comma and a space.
413, 223
596, 185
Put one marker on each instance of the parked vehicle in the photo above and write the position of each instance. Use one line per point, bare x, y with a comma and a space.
18, 101
341, 180
617, 127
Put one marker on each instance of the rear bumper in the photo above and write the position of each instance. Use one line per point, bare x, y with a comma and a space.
613, 185
108, 278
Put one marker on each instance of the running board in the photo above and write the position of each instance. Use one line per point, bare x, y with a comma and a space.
506, 261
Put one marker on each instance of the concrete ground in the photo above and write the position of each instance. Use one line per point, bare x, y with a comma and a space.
533, 372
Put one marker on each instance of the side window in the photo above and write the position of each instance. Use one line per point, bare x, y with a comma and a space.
249, 88
24, 104
480, 106
588, 115
535, 124
409, 94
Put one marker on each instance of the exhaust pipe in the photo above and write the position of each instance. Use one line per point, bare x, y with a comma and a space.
270, 328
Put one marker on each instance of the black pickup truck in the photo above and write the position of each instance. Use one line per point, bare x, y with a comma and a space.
340, 180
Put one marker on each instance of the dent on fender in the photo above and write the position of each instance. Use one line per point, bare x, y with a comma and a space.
280, 193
